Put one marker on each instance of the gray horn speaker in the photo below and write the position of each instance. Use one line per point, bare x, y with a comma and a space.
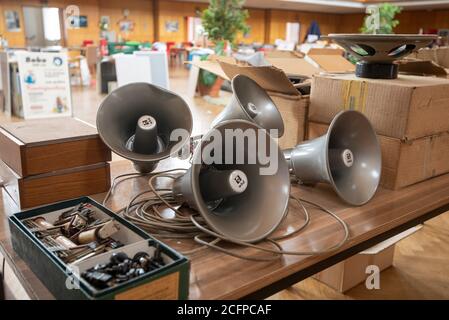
348, 157
135, 121
232, 196
251, 102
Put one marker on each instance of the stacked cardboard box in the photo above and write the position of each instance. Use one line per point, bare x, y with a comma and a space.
439, 55
410, 115
49, 160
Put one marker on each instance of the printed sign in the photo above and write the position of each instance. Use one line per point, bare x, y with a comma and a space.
45, 84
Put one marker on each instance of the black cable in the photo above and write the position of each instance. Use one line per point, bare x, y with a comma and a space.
2, 279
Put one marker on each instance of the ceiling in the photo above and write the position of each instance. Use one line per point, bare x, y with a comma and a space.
340, 6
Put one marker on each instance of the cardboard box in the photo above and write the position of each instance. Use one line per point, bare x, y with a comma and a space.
438, 55
41, 146
32, 191
422, 68
171, 281
405, 162
406, 108
329, 60
349, 273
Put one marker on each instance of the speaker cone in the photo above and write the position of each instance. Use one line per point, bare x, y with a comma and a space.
348, 157
235, 199
252, 103
136, 120
378, 52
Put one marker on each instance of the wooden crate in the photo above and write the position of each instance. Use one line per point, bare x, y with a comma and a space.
41, 146
28, 192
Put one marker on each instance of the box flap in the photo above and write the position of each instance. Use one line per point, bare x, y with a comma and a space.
330, 60
283, 54
295, 67
438, 55
270, 78
422, 67
211, 66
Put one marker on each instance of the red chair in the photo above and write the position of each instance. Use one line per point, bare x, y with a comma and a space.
87, 42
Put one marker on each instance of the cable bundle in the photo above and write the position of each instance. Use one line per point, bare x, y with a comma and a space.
146, 213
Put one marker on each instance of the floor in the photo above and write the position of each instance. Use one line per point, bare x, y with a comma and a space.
421, 261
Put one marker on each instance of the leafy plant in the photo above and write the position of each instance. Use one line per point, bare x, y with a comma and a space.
380, 19
224, 19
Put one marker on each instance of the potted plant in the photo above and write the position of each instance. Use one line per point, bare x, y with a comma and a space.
222, 21
380, 19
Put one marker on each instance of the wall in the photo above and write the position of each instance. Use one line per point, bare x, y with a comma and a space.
256, 22
88, 8
14, 38
170, 11
140, 12
328, 22
266, 25
409, 21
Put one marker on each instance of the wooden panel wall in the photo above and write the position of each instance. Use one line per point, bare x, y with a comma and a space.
350, 23
256, 22
266, 25
328, 22
140, 12
176, 11
409, 21
15, 39
88, 8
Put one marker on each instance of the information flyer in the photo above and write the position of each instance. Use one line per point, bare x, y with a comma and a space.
45, 84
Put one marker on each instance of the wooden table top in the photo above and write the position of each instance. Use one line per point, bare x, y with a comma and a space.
215, 275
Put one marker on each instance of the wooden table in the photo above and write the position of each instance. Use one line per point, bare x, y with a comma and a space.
215, 275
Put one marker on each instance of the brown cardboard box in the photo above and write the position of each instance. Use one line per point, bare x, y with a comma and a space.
353, 271
422, 68
405, 162
40, 146
406, 108
56, 186
438, 55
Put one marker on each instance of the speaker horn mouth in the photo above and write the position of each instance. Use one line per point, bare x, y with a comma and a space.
144, 111
252, 103
348, 157
355, 176
257, 104
257, 202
